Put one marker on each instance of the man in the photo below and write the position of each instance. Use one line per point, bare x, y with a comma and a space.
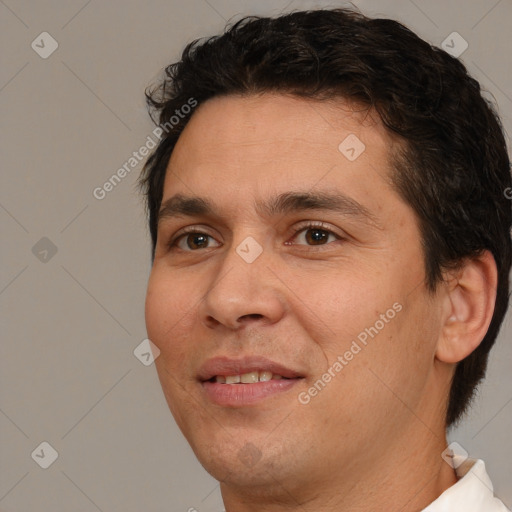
331, 253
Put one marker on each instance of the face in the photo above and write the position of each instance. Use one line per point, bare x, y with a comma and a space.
285, 259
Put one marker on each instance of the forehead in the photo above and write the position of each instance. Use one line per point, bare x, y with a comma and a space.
234, 144
272, 119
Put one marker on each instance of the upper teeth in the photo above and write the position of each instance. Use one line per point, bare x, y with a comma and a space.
247, 378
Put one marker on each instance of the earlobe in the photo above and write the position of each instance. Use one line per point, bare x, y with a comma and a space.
470, 296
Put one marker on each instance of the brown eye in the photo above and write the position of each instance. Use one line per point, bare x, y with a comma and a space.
315, 236
196, 240
192, 241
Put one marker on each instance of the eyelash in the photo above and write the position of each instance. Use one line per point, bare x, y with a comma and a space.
304, 227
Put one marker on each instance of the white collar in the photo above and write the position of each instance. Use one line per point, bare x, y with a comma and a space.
473, 492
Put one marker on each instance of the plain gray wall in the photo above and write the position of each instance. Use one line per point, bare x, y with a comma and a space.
72, 321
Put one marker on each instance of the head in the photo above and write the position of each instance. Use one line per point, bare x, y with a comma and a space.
417, 238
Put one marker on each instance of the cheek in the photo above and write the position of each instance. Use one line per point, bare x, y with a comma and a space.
373, 318
337, 305
158, 302
419, 330
169, 324
169, 313
400, 358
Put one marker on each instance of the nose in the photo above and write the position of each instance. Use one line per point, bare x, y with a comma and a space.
242, 294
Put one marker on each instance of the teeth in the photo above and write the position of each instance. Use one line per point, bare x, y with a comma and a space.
265, 376
247, 378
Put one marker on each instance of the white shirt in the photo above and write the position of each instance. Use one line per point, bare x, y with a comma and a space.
473, 492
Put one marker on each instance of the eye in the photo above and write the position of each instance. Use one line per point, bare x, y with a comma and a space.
191, 241
312, 234
315, 234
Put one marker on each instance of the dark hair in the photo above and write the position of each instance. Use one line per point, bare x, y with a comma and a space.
453, 168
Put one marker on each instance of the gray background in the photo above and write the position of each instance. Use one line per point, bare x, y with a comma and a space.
73, 319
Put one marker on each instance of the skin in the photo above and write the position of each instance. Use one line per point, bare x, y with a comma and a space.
372, 438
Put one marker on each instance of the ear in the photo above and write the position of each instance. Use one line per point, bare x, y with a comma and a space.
470, 296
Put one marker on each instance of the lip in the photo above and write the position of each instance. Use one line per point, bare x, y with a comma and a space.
240, 395
237, 366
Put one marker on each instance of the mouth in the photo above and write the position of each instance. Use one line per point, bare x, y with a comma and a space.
240, 382
247, 378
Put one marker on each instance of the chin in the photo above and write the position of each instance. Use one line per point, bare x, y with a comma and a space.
237, 463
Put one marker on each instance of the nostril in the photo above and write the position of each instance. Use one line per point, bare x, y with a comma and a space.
211, 321
252, 316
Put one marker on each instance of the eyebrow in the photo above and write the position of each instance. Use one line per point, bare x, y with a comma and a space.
180, 205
